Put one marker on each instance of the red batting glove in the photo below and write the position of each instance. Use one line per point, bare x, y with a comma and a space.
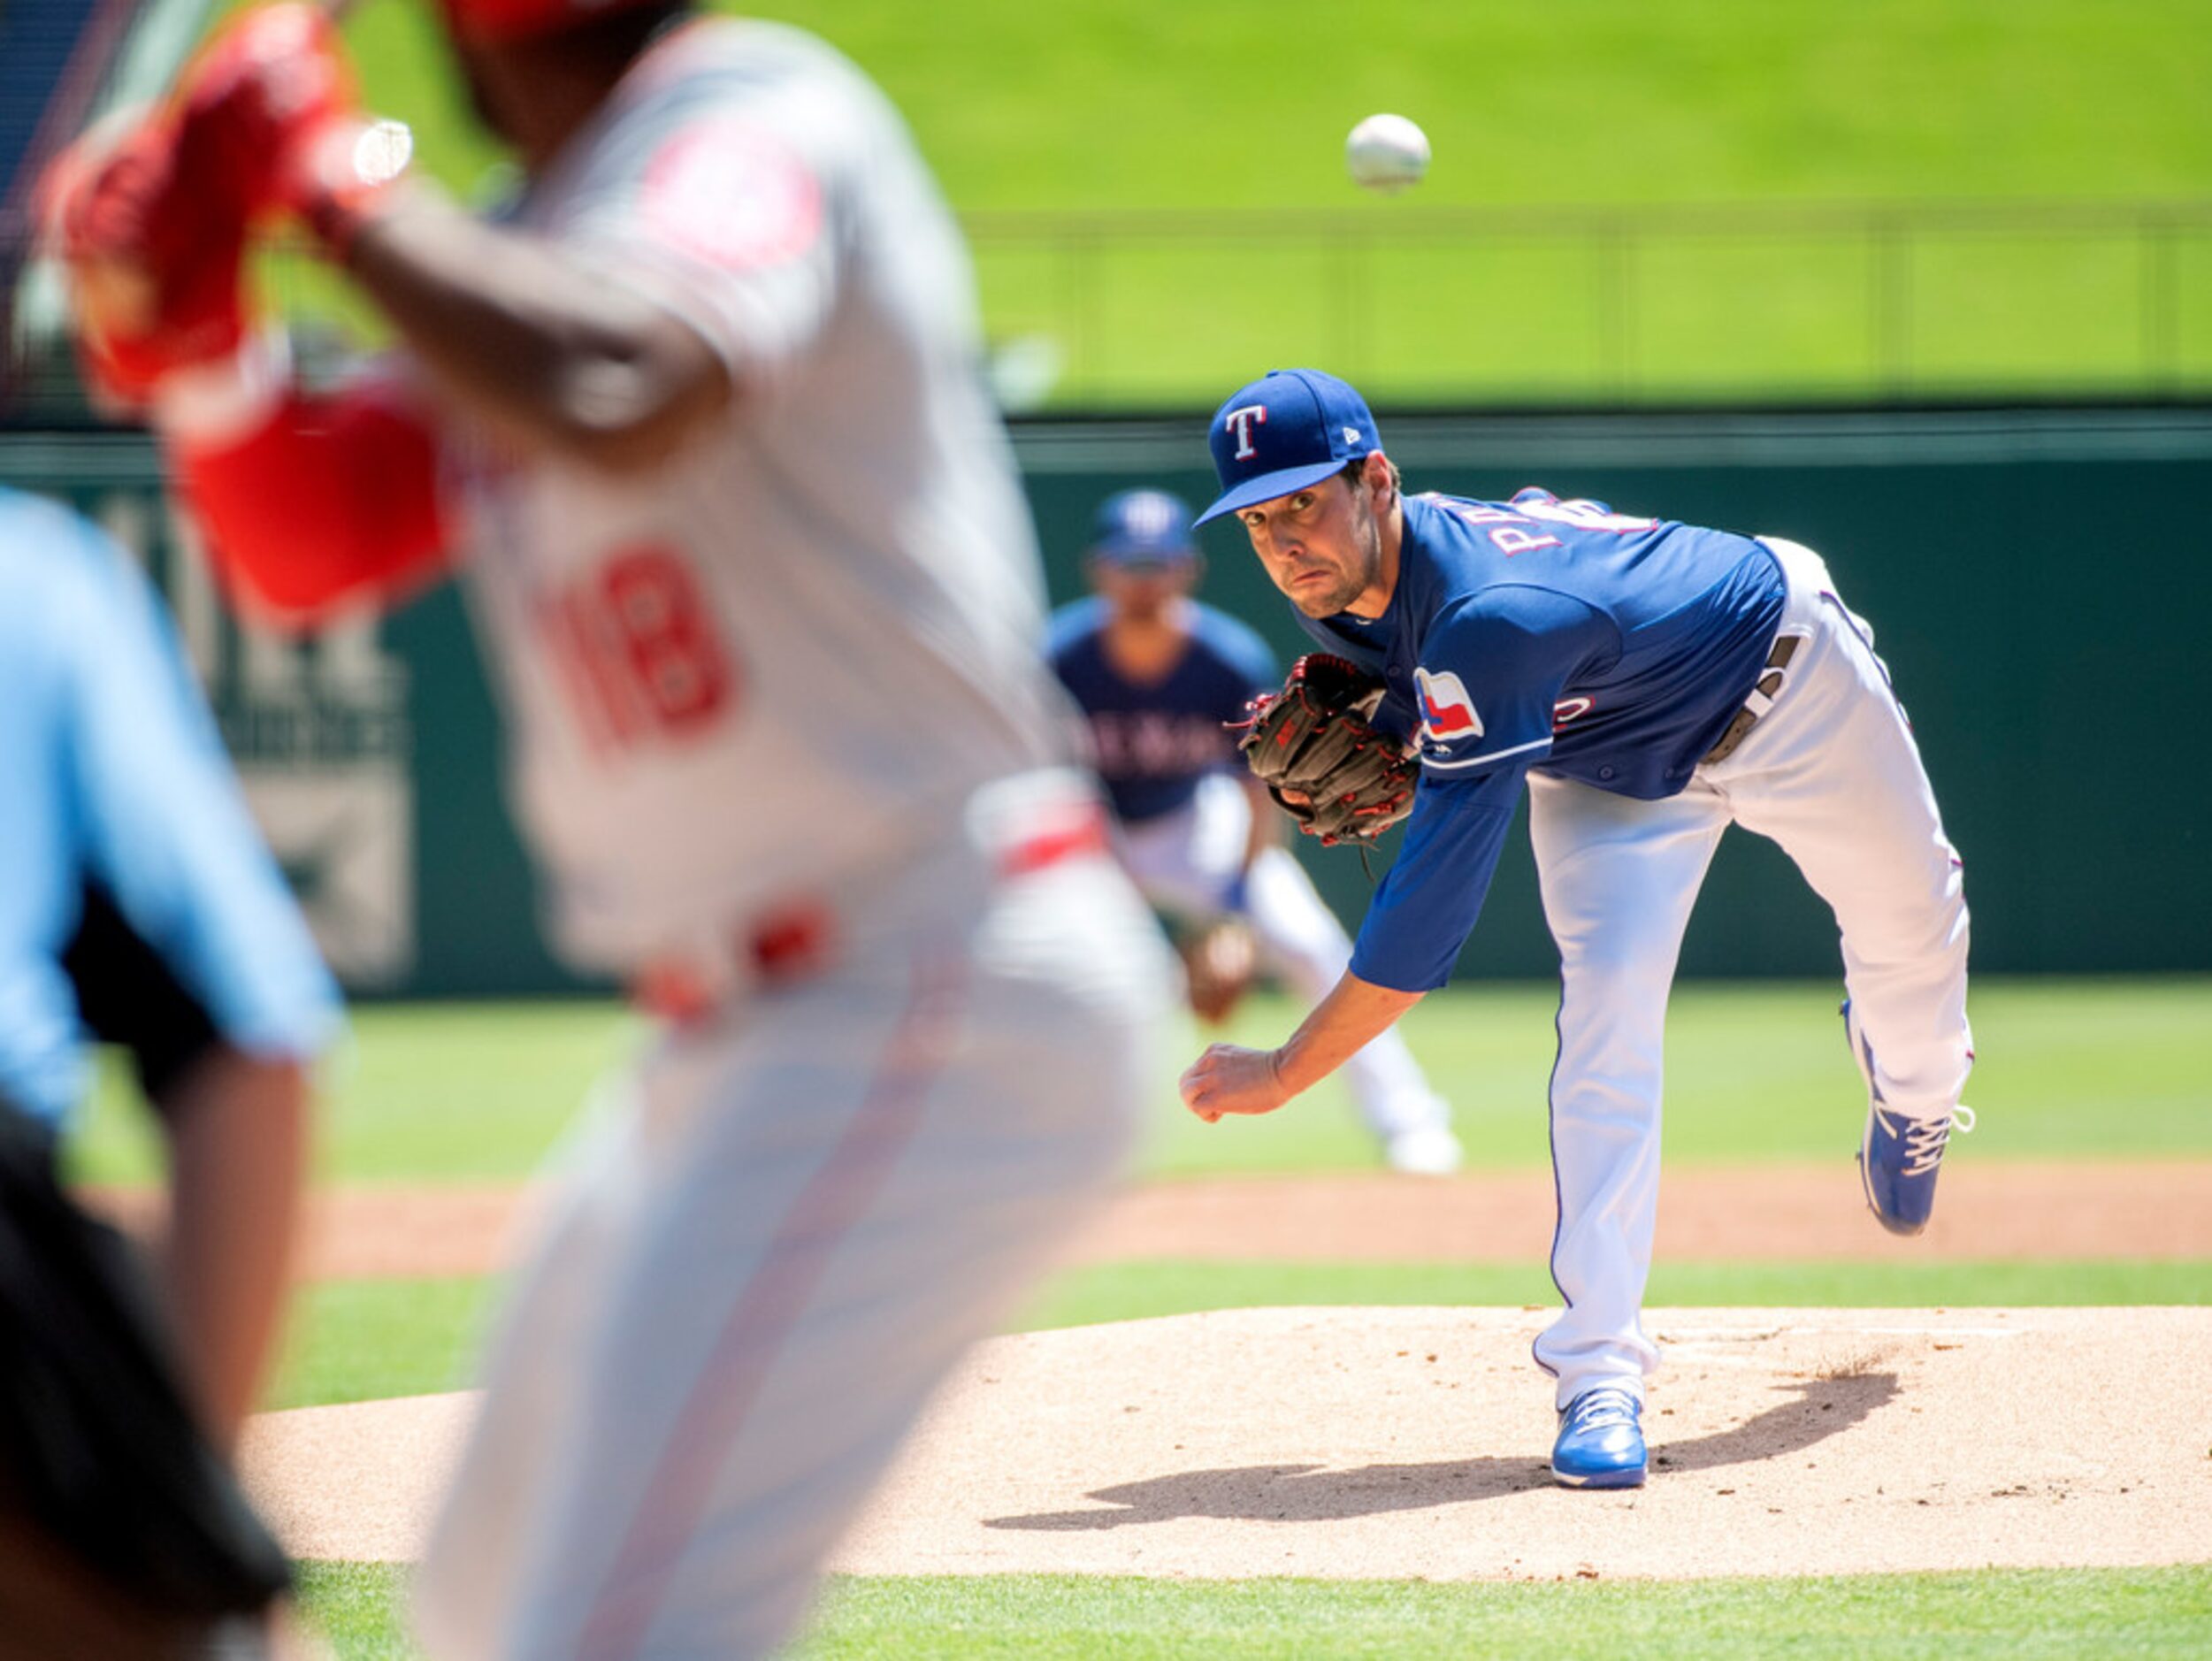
270, 110
256, 91
153, 261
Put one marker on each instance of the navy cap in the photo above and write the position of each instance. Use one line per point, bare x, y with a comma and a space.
1291, 428
1143, 527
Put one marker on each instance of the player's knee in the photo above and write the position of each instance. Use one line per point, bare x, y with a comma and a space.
1620, 972
1905, 937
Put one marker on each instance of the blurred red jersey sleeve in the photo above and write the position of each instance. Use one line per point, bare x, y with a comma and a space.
332, 500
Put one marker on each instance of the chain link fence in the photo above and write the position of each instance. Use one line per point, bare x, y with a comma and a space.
1750, 303
1877, 300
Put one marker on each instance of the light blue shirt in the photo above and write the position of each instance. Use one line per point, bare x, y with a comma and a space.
111, 772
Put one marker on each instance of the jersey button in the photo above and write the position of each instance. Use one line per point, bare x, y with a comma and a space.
1604, 772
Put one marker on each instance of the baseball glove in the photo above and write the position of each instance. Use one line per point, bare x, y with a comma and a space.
1218, 959
1341, 777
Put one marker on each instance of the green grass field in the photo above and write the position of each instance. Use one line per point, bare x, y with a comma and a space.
2068, 1615
2078, 1069
2062, 1615
1104, 104
2094, 1068
1095, 106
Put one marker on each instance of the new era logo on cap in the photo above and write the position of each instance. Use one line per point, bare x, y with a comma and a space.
1291, 428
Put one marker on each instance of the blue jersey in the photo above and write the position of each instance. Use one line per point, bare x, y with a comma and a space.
1604, 647
1153, 741
112, 775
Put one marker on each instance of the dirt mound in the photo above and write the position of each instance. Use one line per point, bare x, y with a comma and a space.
1402, 1443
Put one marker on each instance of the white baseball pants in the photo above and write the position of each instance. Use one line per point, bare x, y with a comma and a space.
785, 1229
1831, 773
1185, 862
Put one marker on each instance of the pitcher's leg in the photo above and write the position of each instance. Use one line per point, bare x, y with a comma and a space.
1840, 785
1618, 879
1835, 777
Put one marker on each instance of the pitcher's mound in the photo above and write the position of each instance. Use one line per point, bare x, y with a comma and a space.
1405, 1444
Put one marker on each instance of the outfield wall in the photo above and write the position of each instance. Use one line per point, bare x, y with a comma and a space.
2038, 581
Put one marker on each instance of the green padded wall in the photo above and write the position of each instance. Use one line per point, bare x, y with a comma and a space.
2036, 580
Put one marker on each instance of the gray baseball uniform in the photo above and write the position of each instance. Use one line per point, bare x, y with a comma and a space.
803, 1203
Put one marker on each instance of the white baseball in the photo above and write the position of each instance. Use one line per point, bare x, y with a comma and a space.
1386, 153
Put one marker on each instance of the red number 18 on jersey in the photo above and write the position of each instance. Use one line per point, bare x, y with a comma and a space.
637, 650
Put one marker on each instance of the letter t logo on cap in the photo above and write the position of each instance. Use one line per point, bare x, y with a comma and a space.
1243, 420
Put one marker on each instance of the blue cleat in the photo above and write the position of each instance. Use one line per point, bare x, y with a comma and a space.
1898, 1163
1899, 1156
1601, 1442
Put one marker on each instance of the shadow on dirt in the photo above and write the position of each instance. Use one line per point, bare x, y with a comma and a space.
1818, 1409
1823, 1407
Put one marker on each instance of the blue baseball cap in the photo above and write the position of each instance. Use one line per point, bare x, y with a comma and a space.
1143, 527
1291, 428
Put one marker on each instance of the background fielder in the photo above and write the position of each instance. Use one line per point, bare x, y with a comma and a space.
699, 419
1652, 682
1161, 678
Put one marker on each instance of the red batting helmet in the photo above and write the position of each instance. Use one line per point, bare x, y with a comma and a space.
518, 20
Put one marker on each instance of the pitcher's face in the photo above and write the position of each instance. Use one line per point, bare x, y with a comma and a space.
1322, 546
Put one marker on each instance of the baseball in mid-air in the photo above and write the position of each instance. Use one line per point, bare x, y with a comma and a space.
1386, 153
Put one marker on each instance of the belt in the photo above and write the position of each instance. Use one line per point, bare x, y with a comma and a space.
1077, 828
797, 942
792, 943
1763, 692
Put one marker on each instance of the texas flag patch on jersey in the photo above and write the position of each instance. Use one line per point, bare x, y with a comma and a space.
1448, 714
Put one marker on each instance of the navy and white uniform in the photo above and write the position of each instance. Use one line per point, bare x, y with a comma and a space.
115, 794
1155, 742
1601, 647
1168, 757
1602, 659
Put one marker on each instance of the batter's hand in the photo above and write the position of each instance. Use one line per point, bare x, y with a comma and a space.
270, 108
1230, 1079
153, 265
256, 93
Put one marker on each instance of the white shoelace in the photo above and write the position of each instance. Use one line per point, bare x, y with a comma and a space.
1924, 1138
1601, 1407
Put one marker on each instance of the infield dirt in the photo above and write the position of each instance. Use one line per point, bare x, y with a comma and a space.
1410, 1443
2072, 1210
